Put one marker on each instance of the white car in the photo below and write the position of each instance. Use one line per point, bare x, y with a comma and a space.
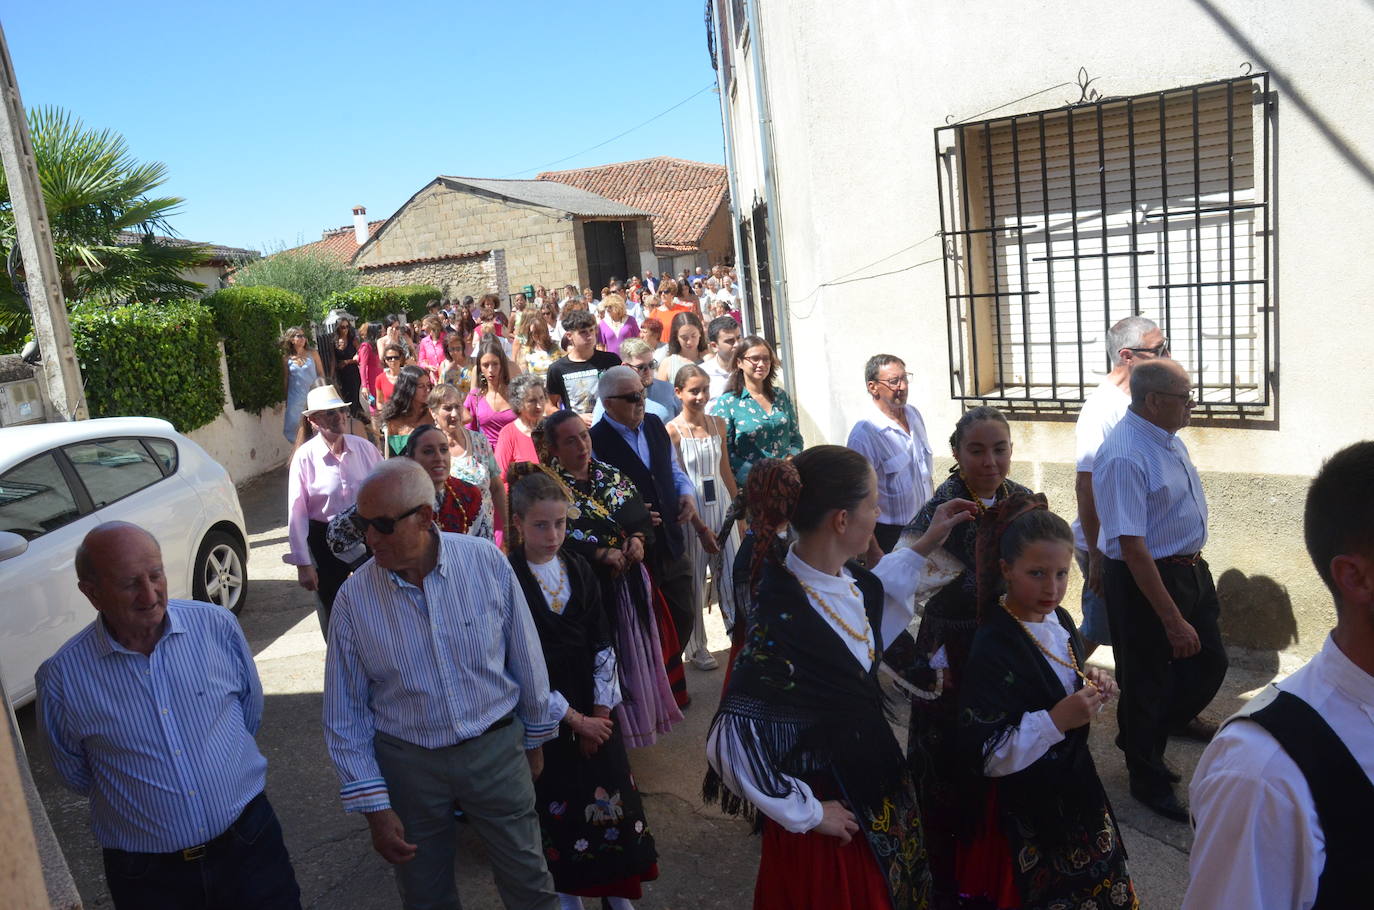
60, 480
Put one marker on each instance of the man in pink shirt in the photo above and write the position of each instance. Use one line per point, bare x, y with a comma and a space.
325, 474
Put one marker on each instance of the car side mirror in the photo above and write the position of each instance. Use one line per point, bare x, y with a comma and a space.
12, 545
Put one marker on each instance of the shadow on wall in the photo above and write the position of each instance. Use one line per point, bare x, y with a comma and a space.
1256, 613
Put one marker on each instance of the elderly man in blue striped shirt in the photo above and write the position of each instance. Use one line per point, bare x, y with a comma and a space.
435, 686
1161, 602
150, 711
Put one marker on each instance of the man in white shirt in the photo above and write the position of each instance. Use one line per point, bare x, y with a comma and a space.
723, 334
1283, 796
1161, 600
892, 436
1133, 340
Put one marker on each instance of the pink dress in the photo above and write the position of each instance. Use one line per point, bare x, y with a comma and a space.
431, 357
610, 337
512, 446
369, 369
490, 422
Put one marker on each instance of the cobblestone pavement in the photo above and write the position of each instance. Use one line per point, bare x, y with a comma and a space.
706, 860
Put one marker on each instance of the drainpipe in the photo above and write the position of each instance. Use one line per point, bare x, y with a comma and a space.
735, 236
778, 270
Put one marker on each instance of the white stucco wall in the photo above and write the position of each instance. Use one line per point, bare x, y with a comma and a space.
856, 90
245, 444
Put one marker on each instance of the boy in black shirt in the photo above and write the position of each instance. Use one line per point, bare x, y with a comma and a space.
572, 379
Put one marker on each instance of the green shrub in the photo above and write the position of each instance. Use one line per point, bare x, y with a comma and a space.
312, 274
150, 360
251, 320
370, 304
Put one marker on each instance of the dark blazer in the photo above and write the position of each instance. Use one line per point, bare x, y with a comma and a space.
655, 481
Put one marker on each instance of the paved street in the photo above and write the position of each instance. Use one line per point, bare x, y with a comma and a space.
707, 861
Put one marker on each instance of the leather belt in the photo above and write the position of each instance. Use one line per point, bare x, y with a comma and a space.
1183, 559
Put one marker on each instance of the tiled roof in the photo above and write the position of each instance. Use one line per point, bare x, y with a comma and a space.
340, 243
217, 252
683, 196
562, 196
475, 254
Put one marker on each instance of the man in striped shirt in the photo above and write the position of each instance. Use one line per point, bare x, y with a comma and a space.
1161, 602
435, 686
150, 711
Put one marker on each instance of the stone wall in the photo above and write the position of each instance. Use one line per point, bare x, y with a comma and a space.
455, 276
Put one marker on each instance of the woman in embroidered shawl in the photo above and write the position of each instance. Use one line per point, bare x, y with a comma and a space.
932, 667
801, 742
609, 526
596, 838
1047, 837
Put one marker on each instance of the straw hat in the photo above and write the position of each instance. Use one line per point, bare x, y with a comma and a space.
323, 398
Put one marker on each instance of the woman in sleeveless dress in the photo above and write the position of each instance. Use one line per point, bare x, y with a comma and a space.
347, 378
700, 441
301, 366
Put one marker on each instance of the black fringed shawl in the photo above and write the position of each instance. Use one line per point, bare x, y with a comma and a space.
799, 705
1063, 835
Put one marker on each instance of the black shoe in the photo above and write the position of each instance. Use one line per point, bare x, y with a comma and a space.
1197, 729
1162, 802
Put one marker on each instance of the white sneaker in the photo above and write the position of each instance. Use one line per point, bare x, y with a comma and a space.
704, 660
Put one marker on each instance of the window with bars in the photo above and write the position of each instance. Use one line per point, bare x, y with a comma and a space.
1059, 223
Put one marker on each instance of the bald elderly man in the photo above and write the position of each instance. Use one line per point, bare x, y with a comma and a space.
150, 712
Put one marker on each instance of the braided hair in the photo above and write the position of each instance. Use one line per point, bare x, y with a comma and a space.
1015, 522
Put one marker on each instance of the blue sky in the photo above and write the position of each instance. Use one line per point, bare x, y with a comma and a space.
275, 119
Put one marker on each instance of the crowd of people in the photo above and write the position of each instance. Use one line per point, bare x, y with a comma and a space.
515, 553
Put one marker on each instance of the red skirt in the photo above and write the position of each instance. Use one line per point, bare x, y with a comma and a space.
983, 867
814, 871
672, 649
628, 888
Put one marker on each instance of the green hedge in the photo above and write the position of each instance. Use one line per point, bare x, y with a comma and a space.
370, 304
251, 320
150, 360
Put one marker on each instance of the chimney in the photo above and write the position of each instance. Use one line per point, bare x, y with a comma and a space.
360, 224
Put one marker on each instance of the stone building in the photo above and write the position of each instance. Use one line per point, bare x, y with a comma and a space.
473, 236
689, 200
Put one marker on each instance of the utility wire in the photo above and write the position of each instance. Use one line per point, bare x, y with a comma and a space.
664, 113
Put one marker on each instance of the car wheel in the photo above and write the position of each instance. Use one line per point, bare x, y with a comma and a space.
220, 575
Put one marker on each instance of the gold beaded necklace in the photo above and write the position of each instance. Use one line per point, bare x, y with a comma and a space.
1071, 663
866, 637
555, 597
1002, 490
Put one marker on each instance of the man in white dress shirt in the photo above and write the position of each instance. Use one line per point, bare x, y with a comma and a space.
1132, 341
1284, 795
892, 436
1161, 600
435, 686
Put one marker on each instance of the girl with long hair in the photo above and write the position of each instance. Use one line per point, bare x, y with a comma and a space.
406, 410
1046, 836
347, 378
596, 836
760, 420
487, 407
301, 369
536, 349
686, 344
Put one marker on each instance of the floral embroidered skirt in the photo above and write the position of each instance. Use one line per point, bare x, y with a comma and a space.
596, 839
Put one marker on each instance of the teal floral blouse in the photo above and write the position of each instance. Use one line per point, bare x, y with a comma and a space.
752, 435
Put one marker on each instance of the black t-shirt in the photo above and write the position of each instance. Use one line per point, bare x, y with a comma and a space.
575, 383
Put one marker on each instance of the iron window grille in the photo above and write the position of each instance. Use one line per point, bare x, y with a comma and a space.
1058, 223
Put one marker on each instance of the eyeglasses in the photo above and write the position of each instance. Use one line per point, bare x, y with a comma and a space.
897, 382
391, 357
646, 367
630, 397
1186, 397
1158, 350
383, 525
763, 361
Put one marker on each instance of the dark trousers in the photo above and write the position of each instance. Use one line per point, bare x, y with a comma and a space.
676, 579
246, 866
1159, 693
887, 535
331, 571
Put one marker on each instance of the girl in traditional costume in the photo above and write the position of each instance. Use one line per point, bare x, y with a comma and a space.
1047, 837
801, 743
596, 839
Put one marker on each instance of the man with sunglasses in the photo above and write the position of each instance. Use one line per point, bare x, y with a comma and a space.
1131, 342
1161, 601
323, 480
435, 686
660, 399
892, 436
638, 444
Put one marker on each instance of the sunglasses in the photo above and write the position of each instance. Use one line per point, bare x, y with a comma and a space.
383, 525
631, 397
646, 367
1158, 350
393, 357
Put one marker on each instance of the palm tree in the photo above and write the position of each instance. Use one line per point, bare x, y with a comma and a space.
103, 217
